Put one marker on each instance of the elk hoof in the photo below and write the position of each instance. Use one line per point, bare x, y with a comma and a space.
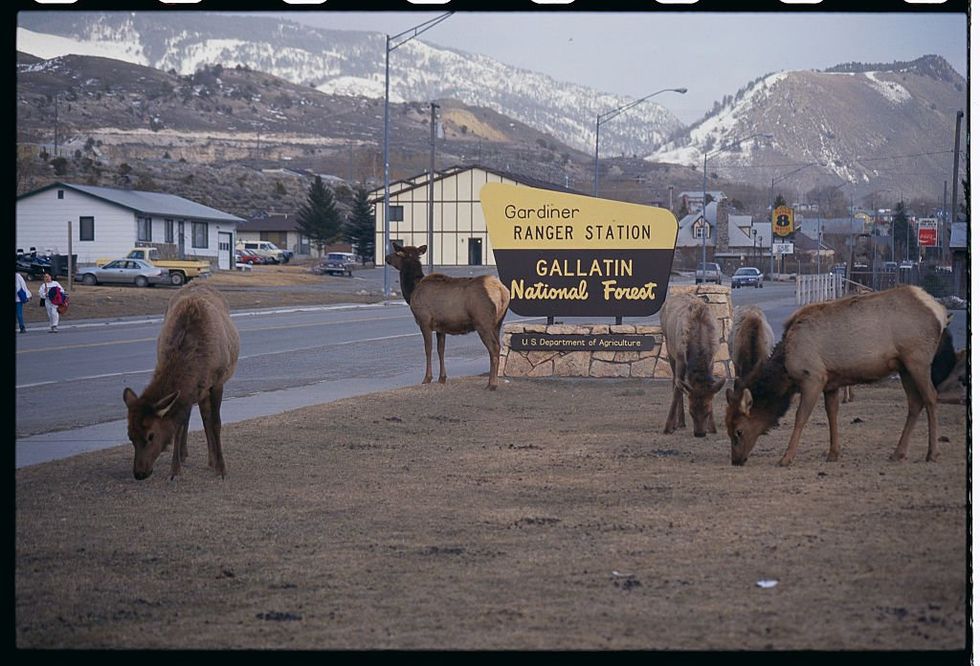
427, 380
832, 457
785, 462
442, 380
932, 457
897, 457
492, 387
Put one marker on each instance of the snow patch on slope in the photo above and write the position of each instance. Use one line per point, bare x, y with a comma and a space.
51, 46
893, 92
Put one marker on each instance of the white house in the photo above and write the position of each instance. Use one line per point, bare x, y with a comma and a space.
107, 222
459, 230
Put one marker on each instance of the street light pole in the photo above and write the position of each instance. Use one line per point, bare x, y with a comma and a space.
432, 197
609, 115
392, 43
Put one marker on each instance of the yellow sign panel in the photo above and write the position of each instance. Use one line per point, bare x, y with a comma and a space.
525, 218
573, 255
782, 221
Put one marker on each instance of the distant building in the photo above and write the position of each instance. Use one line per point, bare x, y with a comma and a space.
459, 229
283, 230
107, 222
692, 201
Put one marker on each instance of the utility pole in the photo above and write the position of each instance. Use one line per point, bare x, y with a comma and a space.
432, 172
56, 130
943, 237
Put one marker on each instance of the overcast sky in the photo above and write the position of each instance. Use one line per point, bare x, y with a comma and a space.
638, 53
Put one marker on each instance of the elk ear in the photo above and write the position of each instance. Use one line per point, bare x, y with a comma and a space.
718, 385
745, 403
164, 404
396, 246
422, 249
130, 397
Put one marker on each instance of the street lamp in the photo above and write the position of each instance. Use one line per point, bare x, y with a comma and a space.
772, 203
392, 43
705, 228
609, 115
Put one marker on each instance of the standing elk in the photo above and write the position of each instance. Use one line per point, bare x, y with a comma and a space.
691, 339
751, 339
197, 352
852, 340
453, 305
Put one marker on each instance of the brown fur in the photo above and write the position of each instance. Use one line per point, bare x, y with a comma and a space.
691, 339
197, 352
827, 346
751, 340
451, 305
952, 390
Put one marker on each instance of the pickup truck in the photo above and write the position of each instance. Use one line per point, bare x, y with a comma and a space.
180, 270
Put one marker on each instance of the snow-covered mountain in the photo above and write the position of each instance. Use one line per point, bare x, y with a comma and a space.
887, 124
348, 63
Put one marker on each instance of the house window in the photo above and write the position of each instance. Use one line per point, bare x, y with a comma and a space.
168, 231
61, 194
199, 234
86, 228
396, 213
144, 229
700, 228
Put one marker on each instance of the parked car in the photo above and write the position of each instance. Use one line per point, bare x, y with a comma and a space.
890, 266
265, 249
124, 271
247, 257
337, 263
906, 266
747, 276
707, 272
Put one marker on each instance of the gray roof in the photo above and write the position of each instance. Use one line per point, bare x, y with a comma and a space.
153, 203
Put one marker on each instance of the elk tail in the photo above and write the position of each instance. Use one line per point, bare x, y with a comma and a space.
945, 359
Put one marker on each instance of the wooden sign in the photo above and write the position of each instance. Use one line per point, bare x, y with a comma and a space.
782, 221
571, 255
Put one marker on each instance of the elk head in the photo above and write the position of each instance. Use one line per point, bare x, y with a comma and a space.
402, 254
744, 427
699, 398
150, 430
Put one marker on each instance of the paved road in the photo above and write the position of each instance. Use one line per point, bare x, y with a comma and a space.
69, 386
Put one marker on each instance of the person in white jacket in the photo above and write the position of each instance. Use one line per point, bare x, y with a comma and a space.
42, 292
20, 285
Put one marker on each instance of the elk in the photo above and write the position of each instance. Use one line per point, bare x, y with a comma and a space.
952, 389
751, 339
691, 339
853, 340
197, 351
453, 305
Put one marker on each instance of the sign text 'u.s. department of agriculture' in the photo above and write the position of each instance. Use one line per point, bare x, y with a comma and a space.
578, 256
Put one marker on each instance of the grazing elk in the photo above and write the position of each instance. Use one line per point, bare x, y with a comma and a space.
751, 339
691, 338
952, 389
852, 340
197, 352
453, 305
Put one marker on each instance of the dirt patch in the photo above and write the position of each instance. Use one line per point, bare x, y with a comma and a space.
549, 514
262, 287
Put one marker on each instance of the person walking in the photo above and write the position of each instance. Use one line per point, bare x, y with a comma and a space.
21, 295
45, 292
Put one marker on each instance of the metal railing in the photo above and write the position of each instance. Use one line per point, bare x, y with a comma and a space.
819, 287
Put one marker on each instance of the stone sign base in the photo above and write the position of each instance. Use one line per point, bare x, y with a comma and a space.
645, 364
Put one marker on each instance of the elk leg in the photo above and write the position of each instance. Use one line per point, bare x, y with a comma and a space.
676, 411
915, 408
216, 395
929, 397
492, 342
831, 402
808, 400
441, 347
180, 445
427, 340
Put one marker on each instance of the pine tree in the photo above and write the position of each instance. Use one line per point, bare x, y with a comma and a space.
359, 228
318, 218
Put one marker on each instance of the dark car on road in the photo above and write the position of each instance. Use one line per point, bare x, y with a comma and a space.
747, 276
339, 263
